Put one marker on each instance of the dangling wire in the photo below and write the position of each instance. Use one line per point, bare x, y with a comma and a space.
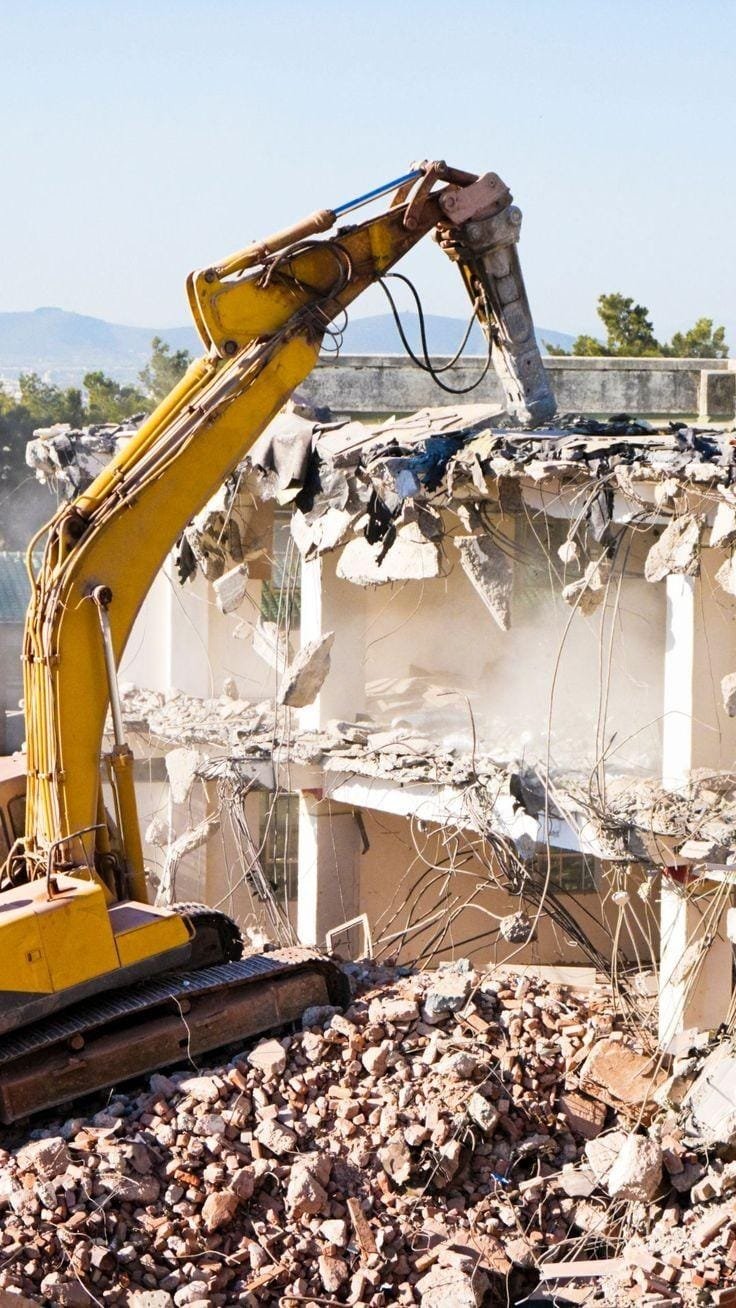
425, 363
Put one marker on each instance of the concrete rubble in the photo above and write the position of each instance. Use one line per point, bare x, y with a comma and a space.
432, 1144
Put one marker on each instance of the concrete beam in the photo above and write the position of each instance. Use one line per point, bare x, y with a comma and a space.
389, 383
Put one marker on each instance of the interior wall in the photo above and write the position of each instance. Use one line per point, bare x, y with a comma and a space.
400, 854
436, 659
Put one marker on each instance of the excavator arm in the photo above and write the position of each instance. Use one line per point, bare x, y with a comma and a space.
80, 924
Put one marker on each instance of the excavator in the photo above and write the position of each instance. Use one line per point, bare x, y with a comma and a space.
97, 985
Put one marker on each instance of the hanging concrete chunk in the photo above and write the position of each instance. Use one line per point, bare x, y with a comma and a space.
728, 691
411, 558
319, 535
271, 644
490, 572
676, 551
305, 677
181, 769
568, 552
723, 531
590, 591
230, 588
726, 575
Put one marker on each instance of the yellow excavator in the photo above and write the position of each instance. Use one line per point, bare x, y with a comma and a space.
96, 984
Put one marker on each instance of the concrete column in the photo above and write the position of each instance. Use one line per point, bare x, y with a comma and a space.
691, 995
692, 736
329, 604
329, 847
717, 395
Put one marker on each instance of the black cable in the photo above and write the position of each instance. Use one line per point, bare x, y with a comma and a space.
426, 364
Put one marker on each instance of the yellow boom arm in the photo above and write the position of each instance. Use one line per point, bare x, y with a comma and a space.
262, 315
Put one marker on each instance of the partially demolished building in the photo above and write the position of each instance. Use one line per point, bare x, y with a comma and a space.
436, 686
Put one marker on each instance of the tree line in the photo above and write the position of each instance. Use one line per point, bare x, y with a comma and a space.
630, 331
99, 399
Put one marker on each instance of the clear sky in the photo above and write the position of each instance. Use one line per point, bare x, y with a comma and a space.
146, 137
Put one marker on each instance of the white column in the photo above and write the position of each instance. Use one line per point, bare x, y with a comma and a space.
688, 998
692, 994
329, 604
329, 840
329, 848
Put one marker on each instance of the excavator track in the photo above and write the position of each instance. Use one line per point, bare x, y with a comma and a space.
164, 1020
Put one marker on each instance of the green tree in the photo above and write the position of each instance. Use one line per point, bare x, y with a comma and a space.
109, 401
629, 331
163, 370
703, 341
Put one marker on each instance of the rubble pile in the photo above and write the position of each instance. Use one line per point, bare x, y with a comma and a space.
451, 1138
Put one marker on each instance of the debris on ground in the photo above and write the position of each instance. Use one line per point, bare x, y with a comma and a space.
432, 1144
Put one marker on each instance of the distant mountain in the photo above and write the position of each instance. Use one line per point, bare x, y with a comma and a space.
379, 335
62, 346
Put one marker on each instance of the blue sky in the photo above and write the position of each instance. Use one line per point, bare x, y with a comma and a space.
142, 139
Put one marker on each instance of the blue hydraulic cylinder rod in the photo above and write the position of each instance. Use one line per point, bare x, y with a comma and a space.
374, 195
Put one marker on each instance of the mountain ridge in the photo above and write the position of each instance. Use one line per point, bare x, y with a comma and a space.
62, 345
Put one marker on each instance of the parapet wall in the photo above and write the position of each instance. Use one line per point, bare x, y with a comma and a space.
389, 383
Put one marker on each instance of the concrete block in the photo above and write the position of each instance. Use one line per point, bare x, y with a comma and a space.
716, 395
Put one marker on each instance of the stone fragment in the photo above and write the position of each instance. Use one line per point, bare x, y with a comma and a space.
279, 1139
620, 1076
489, 570
726, 575
203, 1089
396, 1011
636, 1173
446, 994
395, 1160
47, 1158
723, 531
728, 692
65, 1290
317, 1015
192, 1293
244, 1183
375, 1059
568, 552
305, 1194
483, 1113
602, 1152
333, 1273
452, 1287
712, 1098
306, 674
230, 589
335, 1231
181, 769
520, 1252
517, 928
270, 643
131, 1189
219, 1209
269, 1057
589, 592
677, 550
411, 557
149, 1299
460, 1064
584, 1116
